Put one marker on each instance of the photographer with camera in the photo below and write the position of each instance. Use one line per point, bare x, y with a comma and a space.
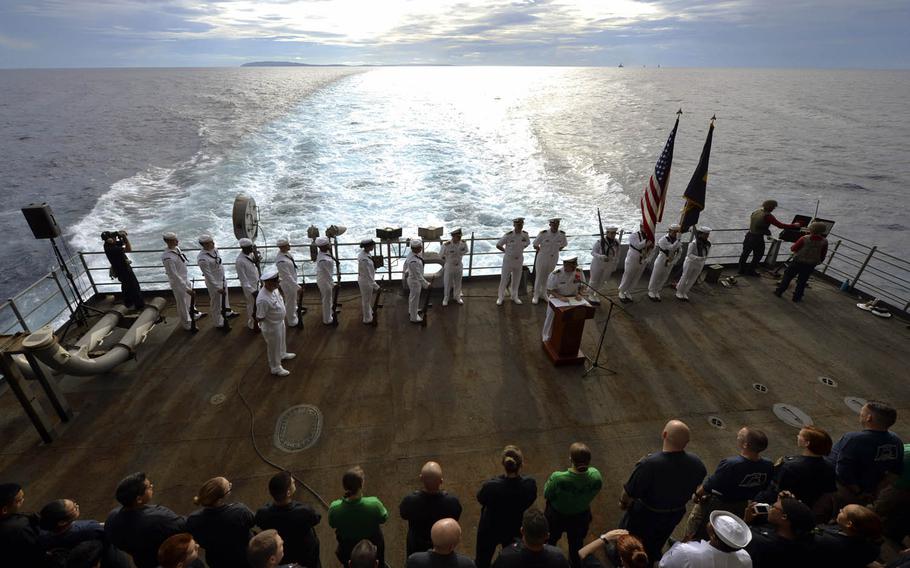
116, 245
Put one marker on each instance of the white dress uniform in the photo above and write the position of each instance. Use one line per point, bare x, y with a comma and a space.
550, 244
416, 282
270, 312
636, 260
325, 268
366, 280
695, 261
604, 260
452, 253
287, 272
249, 284
209, 262
174, 262
668, 251
512, 261
565, 283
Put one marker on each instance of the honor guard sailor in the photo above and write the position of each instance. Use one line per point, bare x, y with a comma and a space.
270, 313
548, 243
413, 269
452, 252
636, 259
174, 262
512, 244
325, 267
668, 250
604, 258
696, 256
287, 270
247, 265
209, 261
565, 283
366, 278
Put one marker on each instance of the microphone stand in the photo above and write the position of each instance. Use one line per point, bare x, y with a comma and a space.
595, 363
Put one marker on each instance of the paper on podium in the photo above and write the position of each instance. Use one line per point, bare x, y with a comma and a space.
560, 303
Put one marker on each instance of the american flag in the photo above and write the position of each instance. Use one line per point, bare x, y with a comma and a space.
652, 199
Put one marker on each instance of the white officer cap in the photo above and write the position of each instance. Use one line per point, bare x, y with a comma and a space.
416, 243
367, 242
703, 229
555, 220
456, 232
283, 242
730, 529
245, 242
205, 239
674, 227
612, 229
169, 236
269, 273
322, 241
518, 220
570, 259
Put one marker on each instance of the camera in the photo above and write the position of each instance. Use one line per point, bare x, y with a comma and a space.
116, 236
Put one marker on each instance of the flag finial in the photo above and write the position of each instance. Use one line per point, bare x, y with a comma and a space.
713, 117
679, 112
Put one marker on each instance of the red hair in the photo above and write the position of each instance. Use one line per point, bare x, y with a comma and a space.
631, 552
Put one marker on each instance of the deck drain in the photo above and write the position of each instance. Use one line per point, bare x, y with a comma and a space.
297, 428
717, 422
828, 382
217, 399
759, 387
791, 415
855, 403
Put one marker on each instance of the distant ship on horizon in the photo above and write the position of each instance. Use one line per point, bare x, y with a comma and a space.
621, 66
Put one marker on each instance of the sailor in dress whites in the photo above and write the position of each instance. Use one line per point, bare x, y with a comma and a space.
174, 262
209, 261
287, 269
325, 267
547, 243
512, 244
636, 259
669, 247
565, 283
247, 265
604, 258
452, 252
366, 278
413, 269
270, 312
696, 256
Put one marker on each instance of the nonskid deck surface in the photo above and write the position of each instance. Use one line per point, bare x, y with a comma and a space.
458, 390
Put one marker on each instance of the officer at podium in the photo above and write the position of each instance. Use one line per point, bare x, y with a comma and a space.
565, 283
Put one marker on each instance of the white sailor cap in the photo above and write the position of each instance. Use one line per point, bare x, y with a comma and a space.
205, 239
367, 242
245, 242
416, 243
570, 259
322, 241
169, 236
555, 220
518, 220
270, 273
611, 229
456, 231
674, 227
283, 242
730, 529
703, 229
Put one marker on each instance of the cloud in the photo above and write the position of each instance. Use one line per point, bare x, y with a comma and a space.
14, 43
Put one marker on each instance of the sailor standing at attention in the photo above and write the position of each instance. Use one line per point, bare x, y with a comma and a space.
413, 269
209, 261
760, 222
287, 269
669, 248
366, 278
174, 262
452, 252
636, 259
325, 267
565, 283
512, 244
696, 256
604, 258
548, 243
247, 265
270, 312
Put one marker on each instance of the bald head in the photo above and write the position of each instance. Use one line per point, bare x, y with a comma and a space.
675, 436
445, 534
431, 476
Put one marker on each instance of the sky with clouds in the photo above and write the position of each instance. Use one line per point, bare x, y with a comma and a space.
694, 33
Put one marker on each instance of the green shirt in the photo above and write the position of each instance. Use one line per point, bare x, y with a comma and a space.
356, 518
903, 482
570, 492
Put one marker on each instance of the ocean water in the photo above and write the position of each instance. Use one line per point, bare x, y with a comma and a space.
156, 150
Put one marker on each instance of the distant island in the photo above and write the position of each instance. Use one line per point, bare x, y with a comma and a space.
293, 64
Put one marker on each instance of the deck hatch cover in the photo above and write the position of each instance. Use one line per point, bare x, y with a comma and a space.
717, 422
828, 382
855, 403
791, 415
298, 428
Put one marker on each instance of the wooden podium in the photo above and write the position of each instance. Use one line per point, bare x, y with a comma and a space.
565, 337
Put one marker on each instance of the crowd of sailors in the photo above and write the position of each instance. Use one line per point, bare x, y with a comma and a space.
829, 505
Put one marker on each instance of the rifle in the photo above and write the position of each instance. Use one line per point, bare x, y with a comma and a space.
426, 303
257, 259
300, 307
193, 327
225, 325
376, 305
337, 288
603, 238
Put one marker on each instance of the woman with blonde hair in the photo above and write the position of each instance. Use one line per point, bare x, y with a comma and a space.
222, 529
